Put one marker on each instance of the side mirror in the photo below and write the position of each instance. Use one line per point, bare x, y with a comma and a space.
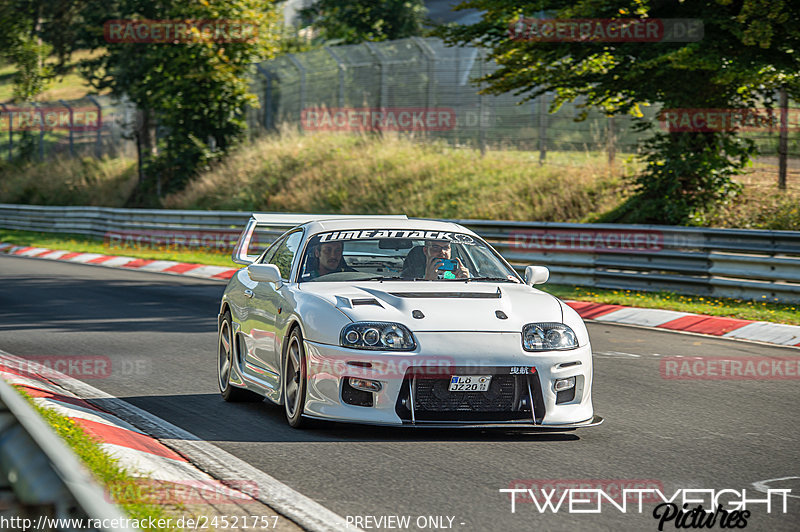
536, 275
268, 273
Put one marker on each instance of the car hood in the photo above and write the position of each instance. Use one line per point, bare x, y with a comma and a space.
444, 306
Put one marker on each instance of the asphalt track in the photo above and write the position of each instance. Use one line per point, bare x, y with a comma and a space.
159, 333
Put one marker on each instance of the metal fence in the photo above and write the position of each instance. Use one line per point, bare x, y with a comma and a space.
421, 83
91, 126
43, 483
742, 263
336, 87
423, 74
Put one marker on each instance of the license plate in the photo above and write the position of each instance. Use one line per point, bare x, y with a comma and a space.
469, 383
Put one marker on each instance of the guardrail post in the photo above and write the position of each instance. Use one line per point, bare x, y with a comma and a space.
98, 147
71, 128
10, 132
382, 64
430, 59
340, 67
41, 131
611, 140
542, 127
302, 71
267, 96
783, 137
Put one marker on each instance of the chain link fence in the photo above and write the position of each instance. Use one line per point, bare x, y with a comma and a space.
418, 87
90, 126
425, 88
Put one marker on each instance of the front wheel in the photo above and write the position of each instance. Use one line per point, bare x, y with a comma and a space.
294, 380
225, 354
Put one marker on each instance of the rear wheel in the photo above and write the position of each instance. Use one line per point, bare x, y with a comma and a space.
225, 354
294, 380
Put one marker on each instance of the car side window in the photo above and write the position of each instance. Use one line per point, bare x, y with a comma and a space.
285, 253
266, 258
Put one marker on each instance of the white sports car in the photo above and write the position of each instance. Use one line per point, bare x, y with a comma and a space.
387, 320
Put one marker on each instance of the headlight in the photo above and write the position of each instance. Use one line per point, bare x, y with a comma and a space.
548, 337
378, 336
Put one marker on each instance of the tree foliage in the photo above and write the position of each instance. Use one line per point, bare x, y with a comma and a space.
33, 30
749, 50
355, 21
195, 92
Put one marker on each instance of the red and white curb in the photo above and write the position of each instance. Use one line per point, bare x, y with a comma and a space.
113, 261
758, 331
138, 453
188, 461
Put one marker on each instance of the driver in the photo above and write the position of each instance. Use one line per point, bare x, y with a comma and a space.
434, 253
327, 259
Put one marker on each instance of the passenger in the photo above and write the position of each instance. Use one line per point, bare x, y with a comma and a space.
424, 262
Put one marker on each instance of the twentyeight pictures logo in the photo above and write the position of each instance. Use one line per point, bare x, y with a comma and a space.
179, 31
606, 30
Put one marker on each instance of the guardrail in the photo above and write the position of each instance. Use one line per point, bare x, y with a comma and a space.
743, 263
50, 487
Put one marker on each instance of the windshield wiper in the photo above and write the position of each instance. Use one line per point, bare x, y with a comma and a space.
502, 279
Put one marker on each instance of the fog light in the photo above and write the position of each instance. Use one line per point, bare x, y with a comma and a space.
564, 384
366, 385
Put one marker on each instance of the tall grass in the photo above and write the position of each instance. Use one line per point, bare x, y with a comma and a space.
68, 181
337, 173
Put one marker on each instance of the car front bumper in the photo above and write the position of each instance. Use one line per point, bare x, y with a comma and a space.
438, 356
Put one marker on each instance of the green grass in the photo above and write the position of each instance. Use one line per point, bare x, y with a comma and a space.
735, 308
370, 174
71, 86
87, 245
105, 469
762, 310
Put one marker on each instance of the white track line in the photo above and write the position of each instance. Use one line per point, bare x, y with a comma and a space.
303, 510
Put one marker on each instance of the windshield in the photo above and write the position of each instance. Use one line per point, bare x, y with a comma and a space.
380, 255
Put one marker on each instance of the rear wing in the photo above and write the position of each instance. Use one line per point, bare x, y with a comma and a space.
263, 228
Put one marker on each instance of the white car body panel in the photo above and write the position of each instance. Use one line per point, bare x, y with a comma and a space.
460, 328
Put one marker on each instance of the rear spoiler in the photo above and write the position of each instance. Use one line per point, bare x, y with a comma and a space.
284, 222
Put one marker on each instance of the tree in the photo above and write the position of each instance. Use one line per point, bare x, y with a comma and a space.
355, 21
749, 50
194, 88
32, 31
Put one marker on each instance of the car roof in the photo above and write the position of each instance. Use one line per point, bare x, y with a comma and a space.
320, 226
319, 223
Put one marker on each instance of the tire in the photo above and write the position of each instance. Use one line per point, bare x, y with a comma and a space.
294, 380
230, 392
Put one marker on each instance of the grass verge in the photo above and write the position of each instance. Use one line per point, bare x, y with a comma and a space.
734, 308
713, 306
107, 471
83, 244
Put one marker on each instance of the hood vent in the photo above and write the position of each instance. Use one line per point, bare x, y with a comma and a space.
447, 295
365, 301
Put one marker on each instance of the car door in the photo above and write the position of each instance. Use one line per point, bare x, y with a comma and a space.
268, 301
